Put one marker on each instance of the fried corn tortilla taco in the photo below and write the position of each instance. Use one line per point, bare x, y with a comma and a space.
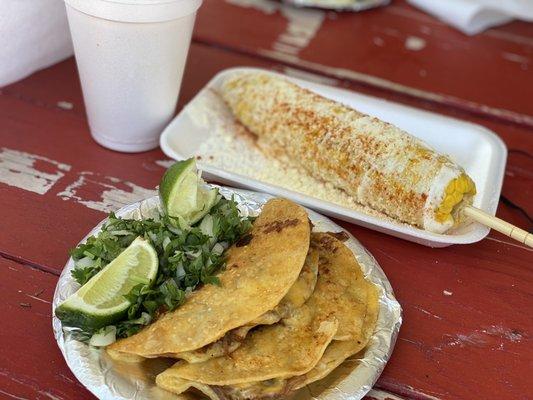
297, 295
260, 270
336, 353
339, 277
277, 351
337, 268
269, 361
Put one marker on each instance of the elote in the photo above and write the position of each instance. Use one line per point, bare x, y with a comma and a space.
376, 163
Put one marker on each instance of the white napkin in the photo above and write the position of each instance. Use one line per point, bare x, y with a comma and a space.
34, 34
474, 16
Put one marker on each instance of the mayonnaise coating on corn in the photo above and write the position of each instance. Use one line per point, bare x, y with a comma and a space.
378, 164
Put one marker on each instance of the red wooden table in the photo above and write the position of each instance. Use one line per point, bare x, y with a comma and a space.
467, 309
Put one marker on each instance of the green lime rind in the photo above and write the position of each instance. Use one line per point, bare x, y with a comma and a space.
172, 178
86, 321
208, 198
183, 193
101, 300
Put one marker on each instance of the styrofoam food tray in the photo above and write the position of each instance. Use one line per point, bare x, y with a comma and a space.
481, 153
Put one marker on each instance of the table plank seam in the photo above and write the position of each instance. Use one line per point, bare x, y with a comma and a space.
39, 103
405, 391
26, 263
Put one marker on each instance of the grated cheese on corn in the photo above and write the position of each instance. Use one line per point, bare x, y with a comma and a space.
378, 164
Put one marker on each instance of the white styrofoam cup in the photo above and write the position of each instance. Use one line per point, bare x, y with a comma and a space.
130, 56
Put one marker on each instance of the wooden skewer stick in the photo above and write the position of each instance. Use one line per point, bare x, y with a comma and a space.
499, 225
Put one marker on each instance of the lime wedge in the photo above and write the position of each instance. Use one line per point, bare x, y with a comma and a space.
101, 300
184, 194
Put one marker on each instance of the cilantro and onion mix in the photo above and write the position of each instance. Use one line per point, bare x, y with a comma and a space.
188, 257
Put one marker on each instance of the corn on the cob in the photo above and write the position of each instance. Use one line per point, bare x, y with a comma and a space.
378, 164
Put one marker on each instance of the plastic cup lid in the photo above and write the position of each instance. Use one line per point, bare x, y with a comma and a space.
136, 10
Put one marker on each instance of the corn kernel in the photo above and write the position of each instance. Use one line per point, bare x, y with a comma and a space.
457, 197
461, 185
451, 187
442, 217
449, 201
454, 194
446, 209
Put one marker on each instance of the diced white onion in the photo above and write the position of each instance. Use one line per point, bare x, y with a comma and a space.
144, 319
180, 271
121, 233
104, 337
218, 249
84, 262
193, 254
206, 226
174, 230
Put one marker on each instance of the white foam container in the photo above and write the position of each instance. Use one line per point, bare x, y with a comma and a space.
130, 56
481, 153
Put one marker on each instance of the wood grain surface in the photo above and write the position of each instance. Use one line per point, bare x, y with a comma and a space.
467, 329
31, 365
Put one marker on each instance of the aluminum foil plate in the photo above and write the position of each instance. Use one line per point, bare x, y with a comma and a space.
108, 379
339, 5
